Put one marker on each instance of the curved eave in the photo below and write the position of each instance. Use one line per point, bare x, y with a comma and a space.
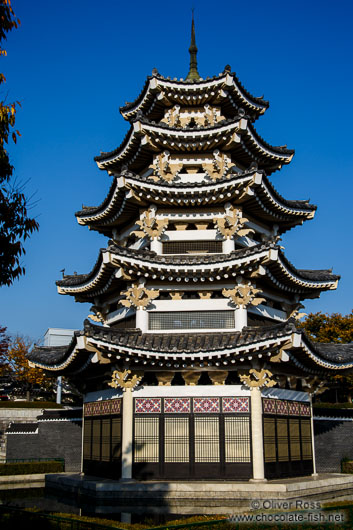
237, 136
73, 358
201, 92
116, 263
289, 279
127, 193
191, 350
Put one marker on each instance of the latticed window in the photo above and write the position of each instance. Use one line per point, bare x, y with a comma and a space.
146, 439
237, 439
192, 247
191, 320
176, 439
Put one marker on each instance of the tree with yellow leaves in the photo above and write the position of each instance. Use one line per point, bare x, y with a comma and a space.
323, 327
14, 365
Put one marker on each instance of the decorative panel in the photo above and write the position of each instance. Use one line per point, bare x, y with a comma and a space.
96, 439
176, 405
148, 405
306, 440
293, 408
237, 439
269, 406
235, 404
176, 439
105, 450
282, 440
206, 439
206, 404
304, 409
192, 247
116, 406
294, 436
146, 439
281, 407
191, 320
96, 408
87, 436
270, 439
88, 409
116, 438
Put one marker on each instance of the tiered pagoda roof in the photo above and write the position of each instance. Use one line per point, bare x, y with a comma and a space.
228, 350
130, 191
192, 152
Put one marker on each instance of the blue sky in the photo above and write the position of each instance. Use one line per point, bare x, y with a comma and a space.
73, 63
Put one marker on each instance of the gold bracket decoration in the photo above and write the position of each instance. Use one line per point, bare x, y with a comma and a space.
258, 379
292, 310
172, 117
150, 226
139, 297
244, 295
163, 167
125, 379
277, 358
219, 167
232, 224
99, 315
314, 385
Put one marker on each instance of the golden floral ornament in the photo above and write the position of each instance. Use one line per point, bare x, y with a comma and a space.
164, 167
232, 224
139, 297
219, 167
125, 379
257, 378
150, 225
244, 295
98, 315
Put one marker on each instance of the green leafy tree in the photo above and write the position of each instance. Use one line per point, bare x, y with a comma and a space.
15, 224
322, 327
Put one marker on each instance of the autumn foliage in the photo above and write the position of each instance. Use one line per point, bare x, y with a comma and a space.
322, 327
15, 225
14, 364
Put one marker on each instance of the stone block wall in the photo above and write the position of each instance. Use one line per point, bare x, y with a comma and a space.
54, 439
333, 441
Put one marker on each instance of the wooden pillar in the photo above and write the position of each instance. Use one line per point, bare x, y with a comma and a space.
127, 440
241, 318
314, 474
142, 319
257, 436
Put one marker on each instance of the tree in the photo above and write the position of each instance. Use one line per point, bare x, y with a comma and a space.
14, 365
322, 327
15, 225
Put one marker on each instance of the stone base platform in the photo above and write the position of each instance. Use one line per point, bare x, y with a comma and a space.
209, 494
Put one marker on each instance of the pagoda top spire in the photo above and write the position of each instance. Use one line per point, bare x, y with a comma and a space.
193, 74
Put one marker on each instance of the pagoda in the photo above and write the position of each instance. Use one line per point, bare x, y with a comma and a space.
192, 363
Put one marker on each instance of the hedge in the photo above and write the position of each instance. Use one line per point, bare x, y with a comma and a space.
31, 468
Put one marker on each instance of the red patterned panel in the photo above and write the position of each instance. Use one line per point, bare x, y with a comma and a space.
304, 409
116, 406
269, 406
97, 407
173, 405
293, 407
106, 406
281, 407
206, 404
235, 404
89, 409
148, 405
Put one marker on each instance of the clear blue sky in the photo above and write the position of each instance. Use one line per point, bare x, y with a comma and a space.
73, 63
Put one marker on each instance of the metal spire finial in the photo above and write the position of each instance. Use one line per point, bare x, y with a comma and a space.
193, 74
